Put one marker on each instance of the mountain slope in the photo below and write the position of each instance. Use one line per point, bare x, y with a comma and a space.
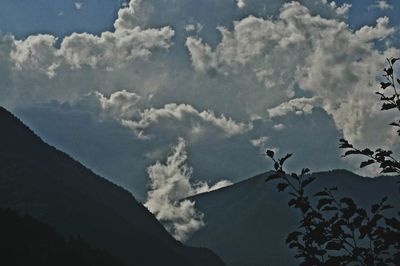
38, 179
247, 223
27, 241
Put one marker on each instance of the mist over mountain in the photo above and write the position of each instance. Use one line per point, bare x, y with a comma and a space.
44, 182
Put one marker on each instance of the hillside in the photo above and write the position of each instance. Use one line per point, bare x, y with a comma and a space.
44, 182
27, 241
247, 223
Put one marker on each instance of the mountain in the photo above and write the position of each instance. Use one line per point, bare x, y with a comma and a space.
27, 241
247, 223
46, 183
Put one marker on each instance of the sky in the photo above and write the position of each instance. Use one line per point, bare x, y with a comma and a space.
141, 90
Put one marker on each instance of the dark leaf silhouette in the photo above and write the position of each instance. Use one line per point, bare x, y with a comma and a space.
393, 60
384, 85
366, 163
273, 176
282, 186
336, 231
270, 153
388, 106
389, 71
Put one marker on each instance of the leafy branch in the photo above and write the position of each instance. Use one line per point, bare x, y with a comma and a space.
336, 231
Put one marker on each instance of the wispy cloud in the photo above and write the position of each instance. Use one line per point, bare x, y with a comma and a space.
241, 3
78, 5
381, 4
170, 184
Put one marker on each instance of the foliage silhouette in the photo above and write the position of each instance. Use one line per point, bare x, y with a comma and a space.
390, 100
336, 231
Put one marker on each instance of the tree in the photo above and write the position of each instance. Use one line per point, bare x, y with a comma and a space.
336, 231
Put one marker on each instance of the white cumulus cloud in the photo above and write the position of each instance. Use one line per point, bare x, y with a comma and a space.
336, 64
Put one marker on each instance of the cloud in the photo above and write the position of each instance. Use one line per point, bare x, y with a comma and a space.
260, 142
119, 104
113, 49
78, 5
170, 184
241, 3
339, 9
226, 84
185, 114
334, 63
381, 4
381, 31
37, 70
298, 106
133, 14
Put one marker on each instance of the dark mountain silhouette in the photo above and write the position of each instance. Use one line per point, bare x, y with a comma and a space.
38, 179
247, 223
27, 241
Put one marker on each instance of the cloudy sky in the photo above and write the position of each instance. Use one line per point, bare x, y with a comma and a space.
121, 85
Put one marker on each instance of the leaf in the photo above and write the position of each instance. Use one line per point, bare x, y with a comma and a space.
394, 60
375, 208
364, 230
323, 202
367, 152
386, 207
366, 163
384, 85
327, 208
282, 186
348, 201
293, 237
382, 153
393, 222
344, 144
389, 71
398, 81
282, 160
389, 170
362, 212
388, 106
305, 171
292, 202
273, 176
333, 245
321, 193
347, 153
375, 219
270, 153
358, 220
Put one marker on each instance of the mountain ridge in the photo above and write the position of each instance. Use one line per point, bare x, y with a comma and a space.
258, 218
38, 179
